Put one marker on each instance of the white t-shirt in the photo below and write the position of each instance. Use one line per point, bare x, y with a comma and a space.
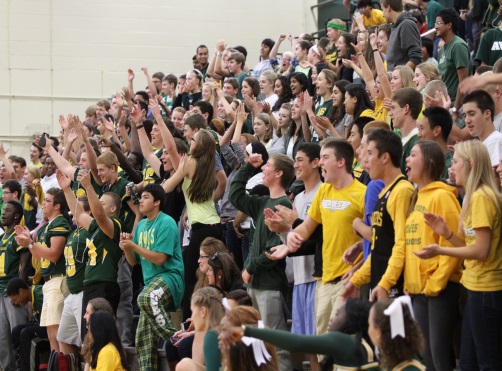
493, 143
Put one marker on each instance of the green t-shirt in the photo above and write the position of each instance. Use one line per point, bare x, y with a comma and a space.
490, 47
10, 259
453, 56
433, 8
37, 300
59, 226
104, 254
161, 235
149, 175
406, 151
76, 259
448, 158
126, 214
77, 188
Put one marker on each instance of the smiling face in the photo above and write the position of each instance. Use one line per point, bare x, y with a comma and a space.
424, 129
342, 47
296, 87
50, 166
177, 119
382, 42
270, 175
396, 82
304, 168
246, 89
278, 87
264, 51
322, 86
203, 259
295, 110
354, 137
206, 93
420, 79
337, 97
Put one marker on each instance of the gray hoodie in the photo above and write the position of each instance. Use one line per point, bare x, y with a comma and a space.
404, 42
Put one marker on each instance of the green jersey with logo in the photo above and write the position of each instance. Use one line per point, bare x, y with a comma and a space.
126, 214
76, 258
10, 258
59, 226
77, 188
104, 254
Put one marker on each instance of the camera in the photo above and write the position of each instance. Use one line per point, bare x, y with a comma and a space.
134, 194
43, 140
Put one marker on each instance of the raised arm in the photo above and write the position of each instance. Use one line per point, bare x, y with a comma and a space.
62, 164
167, 137
228, 108
218, 68
151, 85
170, 184
275, 48
146, 147
8, 166
83, 219
130, 79
381, 71
104, 222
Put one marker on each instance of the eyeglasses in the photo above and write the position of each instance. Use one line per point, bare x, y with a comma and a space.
204, 256
6, 192
437, 23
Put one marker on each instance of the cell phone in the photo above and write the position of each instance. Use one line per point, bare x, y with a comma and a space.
43, 139
174, 340
185, 326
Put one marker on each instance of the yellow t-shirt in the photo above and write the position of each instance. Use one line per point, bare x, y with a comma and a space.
380, 112
376, 18
483, 275
109, 359
336, 209
367, 113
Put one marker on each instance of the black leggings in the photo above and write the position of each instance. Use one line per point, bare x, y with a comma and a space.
191, 259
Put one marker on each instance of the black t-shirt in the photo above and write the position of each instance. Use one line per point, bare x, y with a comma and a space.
175, 200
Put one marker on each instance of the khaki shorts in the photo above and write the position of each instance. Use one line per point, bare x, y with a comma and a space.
54, 291
69, 327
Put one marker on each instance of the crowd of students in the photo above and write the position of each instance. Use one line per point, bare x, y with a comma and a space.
361, 166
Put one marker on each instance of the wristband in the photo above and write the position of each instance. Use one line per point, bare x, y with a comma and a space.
219, 54
451, 235
139, 126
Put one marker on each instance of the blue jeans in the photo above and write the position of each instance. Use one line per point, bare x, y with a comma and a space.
481, 332
234, 244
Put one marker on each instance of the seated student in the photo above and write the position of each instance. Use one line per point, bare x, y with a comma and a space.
106, 349
436, 125
223, 273
241, 356
207, 312
371, 17
20, 294
347, 336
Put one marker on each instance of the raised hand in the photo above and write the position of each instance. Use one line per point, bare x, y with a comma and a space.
72, 137
221, 46
137, 114
154, 106
64, 122
438, 224
84, 177
3, 151
127, 94
255, 160
264, 107
289, 215
23, 237
130, 75
63, 181
119, 100
275, 222
241, 114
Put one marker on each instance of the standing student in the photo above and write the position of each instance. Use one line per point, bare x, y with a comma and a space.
337, 202
477, 240
156, 245
14, 262
433, 284
382, 161
266, 277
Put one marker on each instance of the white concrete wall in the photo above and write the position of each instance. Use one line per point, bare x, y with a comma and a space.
60, 56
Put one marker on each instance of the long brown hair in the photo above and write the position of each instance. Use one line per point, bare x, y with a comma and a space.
204, 178
434, 164
239, 356
209, 246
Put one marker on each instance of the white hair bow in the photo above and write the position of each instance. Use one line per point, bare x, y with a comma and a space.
395, 312
225, 304
261, 355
